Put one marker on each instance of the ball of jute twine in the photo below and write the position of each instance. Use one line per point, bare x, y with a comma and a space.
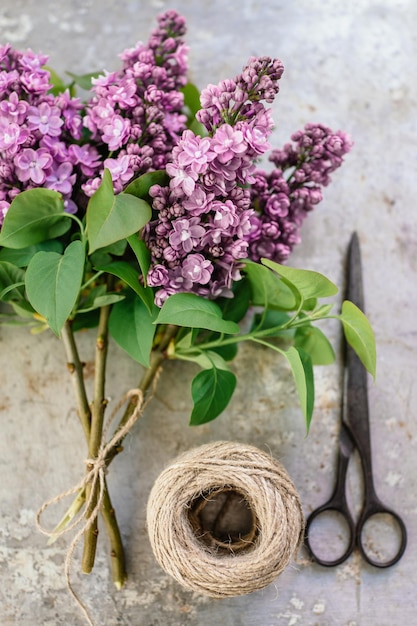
194, 556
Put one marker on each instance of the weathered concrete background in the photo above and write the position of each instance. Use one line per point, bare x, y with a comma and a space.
351, 67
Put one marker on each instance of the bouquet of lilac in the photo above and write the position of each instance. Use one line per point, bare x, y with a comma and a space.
142, 212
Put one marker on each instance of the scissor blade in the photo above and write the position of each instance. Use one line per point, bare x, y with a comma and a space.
354, 291
357, 412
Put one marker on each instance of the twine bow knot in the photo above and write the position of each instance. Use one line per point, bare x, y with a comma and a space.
95, 478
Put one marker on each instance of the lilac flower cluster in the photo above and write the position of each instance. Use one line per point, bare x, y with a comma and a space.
134, 118
199, 237
284, 197
135, 115
218, 208
38, 131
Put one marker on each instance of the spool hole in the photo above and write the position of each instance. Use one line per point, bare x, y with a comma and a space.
223, 519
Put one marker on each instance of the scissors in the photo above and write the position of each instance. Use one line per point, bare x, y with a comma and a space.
355, 433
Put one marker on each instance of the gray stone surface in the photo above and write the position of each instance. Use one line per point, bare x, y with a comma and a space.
348, 65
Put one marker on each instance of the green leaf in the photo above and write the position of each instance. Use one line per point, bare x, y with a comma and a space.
310, 304
321, 311
53, 283
23, 308
310, 284
82, 321
359, 334
206, 359
315, 343
111, 218
58, 85
34, 216
131, 326
10, 319
11, 279
185, 339
130, 276
309, 378
141, 253
14, 290
272, 320
192, 104
116, 249
228, 352
302, 371
236, 308
99, 301
197, 127
103, 256
188, 309
21, 257
140, 186
54, 78
84, 80
268, 290
191, 98
211, 391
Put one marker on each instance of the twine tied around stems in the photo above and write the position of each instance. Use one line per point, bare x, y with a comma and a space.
95, 477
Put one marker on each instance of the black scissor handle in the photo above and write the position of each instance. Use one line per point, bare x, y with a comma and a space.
377, 508
344, 513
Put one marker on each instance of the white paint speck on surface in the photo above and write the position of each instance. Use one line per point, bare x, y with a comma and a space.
319, 607
15, 29
393, 479
297, 602
293, 618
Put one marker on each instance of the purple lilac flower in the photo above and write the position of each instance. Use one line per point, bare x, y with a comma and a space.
11, 136
203, 219
285, 196
36, 130
135, 119
61, 179
135, 115
31, 165
87, 157
186, 234
46, 119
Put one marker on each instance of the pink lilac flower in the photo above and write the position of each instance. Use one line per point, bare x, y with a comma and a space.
194, 151
87, 157
182, 178
46, 119
285, 196
157, 275
198, 240
31, 165
11, 136
134, 119
35, 82
186, 234
120, 169
32, 61
4, 206
228, 142
137, 111
124, 95
70, 108
61, 179
37, 130
198, 202
218, 208
197, 269
14, 109
116, 132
